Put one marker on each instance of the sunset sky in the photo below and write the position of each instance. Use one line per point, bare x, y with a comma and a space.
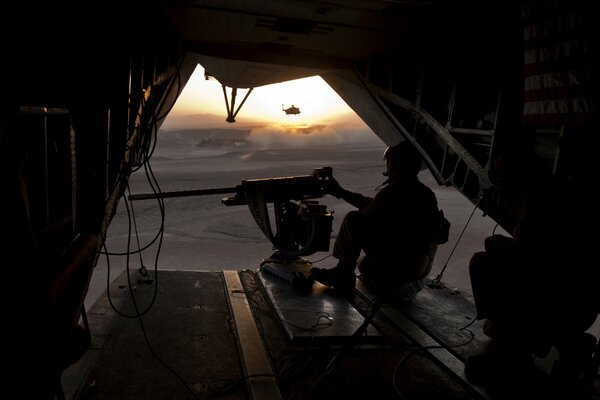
202, 101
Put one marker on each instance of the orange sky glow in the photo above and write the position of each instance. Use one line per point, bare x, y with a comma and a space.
319, 106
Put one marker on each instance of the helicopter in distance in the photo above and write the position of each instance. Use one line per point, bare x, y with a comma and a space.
293, 110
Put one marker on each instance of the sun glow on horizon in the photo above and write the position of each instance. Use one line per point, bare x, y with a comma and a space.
317, 101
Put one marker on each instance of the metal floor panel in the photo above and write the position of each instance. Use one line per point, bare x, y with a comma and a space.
318, 314
451, 364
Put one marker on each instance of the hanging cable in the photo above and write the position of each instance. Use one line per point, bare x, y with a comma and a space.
437, 282
153, 182
154, 186
144, 276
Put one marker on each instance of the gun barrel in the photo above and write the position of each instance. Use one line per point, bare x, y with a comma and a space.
183, 193
296, 187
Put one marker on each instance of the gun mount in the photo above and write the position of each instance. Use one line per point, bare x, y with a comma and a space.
302, 225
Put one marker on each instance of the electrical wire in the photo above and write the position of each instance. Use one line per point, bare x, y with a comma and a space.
108, 281
232, 383
319, 314
437, 282
153, 183
137, 236
154, 186
318, 325
375, 306
422, 348
494, 230
320, 259
178, 80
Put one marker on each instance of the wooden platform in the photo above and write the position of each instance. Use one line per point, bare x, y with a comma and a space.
223, 334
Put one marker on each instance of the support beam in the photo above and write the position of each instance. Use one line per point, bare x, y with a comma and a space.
262, 384
231, 110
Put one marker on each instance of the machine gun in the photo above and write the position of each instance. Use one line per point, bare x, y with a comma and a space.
302, 225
